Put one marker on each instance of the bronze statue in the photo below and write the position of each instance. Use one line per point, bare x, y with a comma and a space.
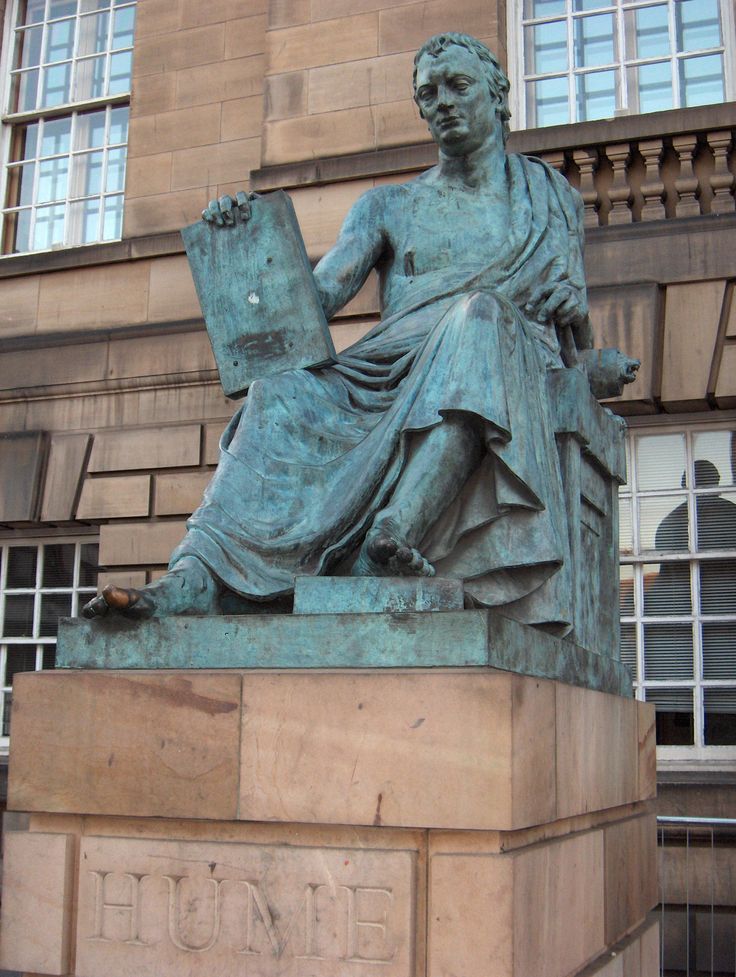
428, 446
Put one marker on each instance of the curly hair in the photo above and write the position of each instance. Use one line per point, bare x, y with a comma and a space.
498, 82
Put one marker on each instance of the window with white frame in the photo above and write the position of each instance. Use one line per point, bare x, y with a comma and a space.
67, 88
40, 581
678, 582
580, 60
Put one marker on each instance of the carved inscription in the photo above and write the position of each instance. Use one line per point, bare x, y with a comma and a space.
265, 911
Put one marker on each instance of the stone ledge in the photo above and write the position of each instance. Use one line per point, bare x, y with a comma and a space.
413, 640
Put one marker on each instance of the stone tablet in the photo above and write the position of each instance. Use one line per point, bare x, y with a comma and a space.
257, 293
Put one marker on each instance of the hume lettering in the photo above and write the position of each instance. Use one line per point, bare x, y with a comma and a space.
318, 921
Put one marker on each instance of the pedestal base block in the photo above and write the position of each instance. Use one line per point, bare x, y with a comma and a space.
344, 823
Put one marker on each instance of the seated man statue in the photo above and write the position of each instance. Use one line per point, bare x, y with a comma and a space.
428, 446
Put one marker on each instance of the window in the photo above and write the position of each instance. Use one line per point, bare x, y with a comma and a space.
39, 583
66, 116
678, 582
590, 59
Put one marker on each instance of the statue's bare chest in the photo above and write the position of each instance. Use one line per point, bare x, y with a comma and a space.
441, 228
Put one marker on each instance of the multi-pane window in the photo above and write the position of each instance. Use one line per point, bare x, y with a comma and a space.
589, 59
39, 583
67, 112
678, 582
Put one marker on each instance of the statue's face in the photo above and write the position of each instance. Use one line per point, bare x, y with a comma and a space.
453, 95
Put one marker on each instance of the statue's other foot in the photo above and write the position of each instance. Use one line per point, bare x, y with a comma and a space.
385, 554
127, 601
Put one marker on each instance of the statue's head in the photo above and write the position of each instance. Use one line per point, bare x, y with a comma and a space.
473, 55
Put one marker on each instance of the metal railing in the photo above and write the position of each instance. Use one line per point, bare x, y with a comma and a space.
697, 878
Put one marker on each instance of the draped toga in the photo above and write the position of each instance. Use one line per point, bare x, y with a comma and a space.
312, 455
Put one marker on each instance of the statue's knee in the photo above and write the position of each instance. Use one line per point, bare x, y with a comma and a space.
485, 305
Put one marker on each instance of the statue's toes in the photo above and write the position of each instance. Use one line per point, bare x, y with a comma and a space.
382, 548
128, 601
410, 561
97, 607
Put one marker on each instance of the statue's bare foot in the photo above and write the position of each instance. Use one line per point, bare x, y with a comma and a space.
385, 554
188, 588
127, 601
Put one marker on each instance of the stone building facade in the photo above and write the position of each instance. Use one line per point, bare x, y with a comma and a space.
110, 407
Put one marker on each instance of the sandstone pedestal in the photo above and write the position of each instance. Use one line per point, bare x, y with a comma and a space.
403, 822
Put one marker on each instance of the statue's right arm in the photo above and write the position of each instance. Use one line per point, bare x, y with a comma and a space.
343, 270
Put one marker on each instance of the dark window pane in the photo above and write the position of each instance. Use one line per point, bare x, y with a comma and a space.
660, 460
715, 456
625, 530
543, 8
701, 80
29, 47
596, 95
31, 12
698, 25
594, 41
53, 606
49, 656
56, 137
119, 125
719, 650
628, 648
667, 588
18, 231
19, 616
653, 83
7, 703
668, 651
25, 140
651, 31
716, 521
58, 565
718, 587
720, 717
548, 102
675, 725
20, 658
626, 593
663, 524
88, 565
21, 566
545, 47
62, 8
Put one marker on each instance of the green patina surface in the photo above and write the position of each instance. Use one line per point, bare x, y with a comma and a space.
412, 640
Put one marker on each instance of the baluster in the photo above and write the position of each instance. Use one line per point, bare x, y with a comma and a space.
619, 192
721, 179
686, 184
555, 160
587, 162
652, 188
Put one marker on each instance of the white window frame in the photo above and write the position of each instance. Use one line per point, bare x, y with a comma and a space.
515, 38
9, 120
79, 595
682, 757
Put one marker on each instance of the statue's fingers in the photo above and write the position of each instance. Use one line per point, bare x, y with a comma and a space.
536, 299
554, 303
570, 312
212, 213
540, 293
226, 209
242, 201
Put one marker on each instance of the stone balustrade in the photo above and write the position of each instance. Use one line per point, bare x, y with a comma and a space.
662, 166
